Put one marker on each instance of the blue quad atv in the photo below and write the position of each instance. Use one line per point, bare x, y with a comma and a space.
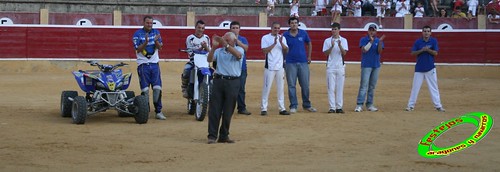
104, 89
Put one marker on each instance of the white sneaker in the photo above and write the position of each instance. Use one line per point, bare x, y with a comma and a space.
311, 109
372, 108
358, 109
293, 110
440, 109
160, 116
409, 109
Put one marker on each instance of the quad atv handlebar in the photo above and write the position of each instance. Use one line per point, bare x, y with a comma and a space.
105, 67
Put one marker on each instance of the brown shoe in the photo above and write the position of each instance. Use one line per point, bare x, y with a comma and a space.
225, 141
211, 141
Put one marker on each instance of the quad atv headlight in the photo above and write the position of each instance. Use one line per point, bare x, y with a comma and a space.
111, 86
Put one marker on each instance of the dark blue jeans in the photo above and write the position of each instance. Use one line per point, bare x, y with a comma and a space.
241, 95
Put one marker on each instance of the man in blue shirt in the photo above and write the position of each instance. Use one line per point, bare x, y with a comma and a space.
147, 41
243, 43
371, 48
426, 49
226, 85
297, 64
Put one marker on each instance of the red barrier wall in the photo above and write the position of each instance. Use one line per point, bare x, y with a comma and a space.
115, 42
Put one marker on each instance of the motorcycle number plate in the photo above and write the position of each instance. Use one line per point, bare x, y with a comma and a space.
200, 60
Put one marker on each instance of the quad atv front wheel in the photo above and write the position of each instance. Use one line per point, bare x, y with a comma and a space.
66, 103
79, 110
142, 109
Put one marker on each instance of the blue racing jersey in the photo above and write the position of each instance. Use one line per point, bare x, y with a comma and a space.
425, 60
149, 54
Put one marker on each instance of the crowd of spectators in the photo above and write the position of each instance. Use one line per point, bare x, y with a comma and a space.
460, 9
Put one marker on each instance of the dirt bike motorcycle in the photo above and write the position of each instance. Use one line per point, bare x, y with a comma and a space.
200, 85
104, 89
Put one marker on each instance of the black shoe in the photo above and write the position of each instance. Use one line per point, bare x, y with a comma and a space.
284, 112
331, 111
339, 111
244, 112
263, 113
225, 141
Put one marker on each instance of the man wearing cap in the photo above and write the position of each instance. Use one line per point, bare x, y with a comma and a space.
371, 47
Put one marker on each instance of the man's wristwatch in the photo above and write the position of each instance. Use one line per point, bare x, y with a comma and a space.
227, 46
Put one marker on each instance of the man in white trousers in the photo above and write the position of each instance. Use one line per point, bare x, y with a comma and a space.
335, 47
274, 46
426, 49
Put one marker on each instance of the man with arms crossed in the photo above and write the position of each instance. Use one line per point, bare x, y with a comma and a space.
243, 43
274, 46
426, 49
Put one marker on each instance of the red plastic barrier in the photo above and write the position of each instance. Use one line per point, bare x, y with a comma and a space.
116, 42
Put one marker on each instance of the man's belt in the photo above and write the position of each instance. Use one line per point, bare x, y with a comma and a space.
217, 76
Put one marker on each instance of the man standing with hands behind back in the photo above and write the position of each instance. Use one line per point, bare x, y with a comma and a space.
426, 49
371, 48
147, 41
243, 43
226, 85
297, 65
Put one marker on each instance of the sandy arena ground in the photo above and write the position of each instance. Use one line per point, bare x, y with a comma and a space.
34, 137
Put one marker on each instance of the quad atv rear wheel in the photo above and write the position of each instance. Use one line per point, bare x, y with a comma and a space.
142, 109
79, 110
66, 103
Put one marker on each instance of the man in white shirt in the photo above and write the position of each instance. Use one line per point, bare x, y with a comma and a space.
335, 47
274, 46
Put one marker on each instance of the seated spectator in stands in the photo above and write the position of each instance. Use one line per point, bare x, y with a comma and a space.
471, 13
457, 4
319, 5
493, 7
349, 7
495, 19
434, 7
294, 8
336, 11
388, 8
402, 8
270, 7
367, 6
443, 13
357, 8
419, 10
459, 14
380, 6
